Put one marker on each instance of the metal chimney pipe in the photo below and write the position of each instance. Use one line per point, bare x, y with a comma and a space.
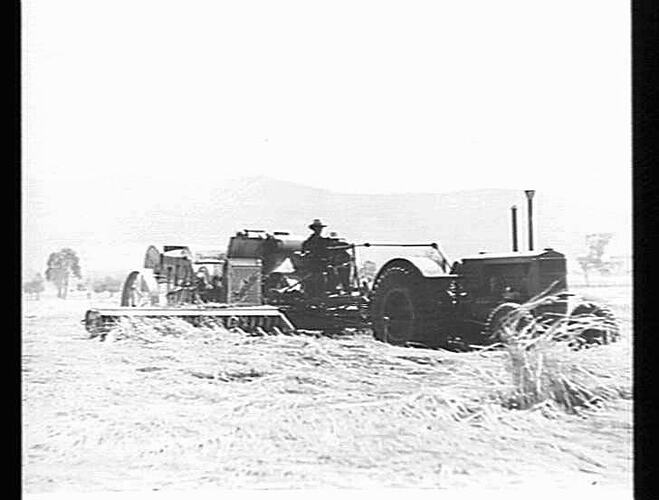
513, 209
529, 198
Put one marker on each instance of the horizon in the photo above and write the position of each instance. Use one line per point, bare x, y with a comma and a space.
97, 258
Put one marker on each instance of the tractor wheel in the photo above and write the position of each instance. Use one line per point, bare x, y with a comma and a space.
505, 320
604, 328
140, 290
401, 307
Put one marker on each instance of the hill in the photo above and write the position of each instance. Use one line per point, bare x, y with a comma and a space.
111, 224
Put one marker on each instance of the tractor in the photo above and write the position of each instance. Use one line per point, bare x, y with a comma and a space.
268, 283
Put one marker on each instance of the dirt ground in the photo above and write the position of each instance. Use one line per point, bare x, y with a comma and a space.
182, 408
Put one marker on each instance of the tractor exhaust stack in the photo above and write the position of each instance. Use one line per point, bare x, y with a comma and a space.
513, 210
529, 198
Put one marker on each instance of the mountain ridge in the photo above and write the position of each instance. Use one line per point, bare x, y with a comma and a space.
110, 224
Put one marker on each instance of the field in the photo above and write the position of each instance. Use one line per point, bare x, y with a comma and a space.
177, 408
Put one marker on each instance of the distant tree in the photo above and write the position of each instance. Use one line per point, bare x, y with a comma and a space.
107, 284
596, 243
35, 286
61, 266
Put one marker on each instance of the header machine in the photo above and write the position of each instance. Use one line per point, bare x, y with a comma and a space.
265, 283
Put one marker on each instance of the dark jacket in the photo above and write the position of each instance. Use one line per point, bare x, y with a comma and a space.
316, 245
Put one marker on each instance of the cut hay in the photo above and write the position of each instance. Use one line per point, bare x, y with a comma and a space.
163, 404
550, 361
538, 365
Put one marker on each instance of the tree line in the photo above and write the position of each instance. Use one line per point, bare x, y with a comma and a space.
61, 268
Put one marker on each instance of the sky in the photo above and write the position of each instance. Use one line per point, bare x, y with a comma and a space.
353, 96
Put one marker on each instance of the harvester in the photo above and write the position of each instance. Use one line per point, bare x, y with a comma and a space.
268, 283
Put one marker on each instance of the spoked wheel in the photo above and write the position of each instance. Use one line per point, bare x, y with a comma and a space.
595, 323
505, 321
140, 290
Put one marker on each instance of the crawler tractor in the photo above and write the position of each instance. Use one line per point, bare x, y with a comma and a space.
266, 283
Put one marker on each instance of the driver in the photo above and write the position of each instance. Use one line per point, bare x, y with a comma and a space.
315, 253
315, 246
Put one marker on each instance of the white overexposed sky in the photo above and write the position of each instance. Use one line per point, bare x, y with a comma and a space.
349, 95
353, 96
